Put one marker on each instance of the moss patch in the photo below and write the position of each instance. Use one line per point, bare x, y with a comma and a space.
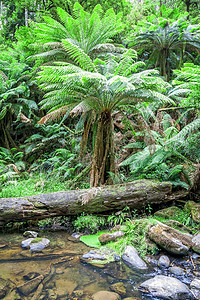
36, 240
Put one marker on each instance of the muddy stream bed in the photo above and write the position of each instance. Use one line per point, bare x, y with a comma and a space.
59, 272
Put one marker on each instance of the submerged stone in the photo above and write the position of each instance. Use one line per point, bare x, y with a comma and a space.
104, 295
29, 286
119, 288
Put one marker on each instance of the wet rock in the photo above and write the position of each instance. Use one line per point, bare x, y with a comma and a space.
4, 287
170, 239
99, 257
37, 245
194, 209
29, 286
164, 261
166, 288
104, 295
92, 254
74, 237
119, 288
169, 212
195, 284
177, 271
26, 244
196, 243
108, 237
30, 234
131, 257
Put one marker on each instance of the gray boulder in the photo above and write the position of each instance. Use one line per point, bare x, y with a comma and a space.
164, 261
26, 244
196, 243
38, 246
35, 245
131, 257
167, 288
170, 239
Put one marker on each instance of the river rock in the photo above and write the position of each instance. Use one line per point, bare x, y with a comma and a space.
166, 288
177, 271
104, 295
26, 244
194, 209
38, 245
93, 255
169, 212
99, 257
131, 257
108, 237
195, 284
29, 286
170, 239
164, 261
119, 288
75, 237
196, 243
30, 234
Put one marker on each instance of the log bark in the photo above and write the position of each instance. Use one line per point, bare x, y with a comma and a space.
136, 195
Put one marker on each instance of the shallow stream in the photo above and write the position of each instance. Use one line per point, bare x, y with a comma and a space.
64, 276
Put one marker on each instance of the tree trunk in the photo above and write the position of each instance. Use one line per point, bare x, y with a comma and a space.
135, 195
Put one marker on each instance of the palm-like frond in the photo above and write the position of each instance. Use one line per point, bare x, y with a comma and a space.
89, 33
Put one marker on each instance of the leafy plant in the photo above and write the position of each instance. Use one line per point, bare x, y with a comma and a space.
89, 222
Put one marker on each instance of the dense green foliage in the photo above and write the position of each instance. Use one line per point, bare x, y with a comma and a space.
76, 98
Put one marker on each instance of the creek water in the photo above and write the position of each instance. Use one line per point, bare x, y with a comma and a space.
65, 276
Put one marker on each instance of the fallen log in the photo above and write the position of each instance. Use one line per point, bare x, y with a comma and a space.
135, 194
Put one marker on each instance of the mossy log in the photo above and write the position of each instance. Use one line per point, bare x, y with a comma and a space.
135, 194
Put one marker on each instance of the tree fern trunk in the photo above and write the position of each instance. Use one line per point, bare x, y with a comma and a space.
103, 155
